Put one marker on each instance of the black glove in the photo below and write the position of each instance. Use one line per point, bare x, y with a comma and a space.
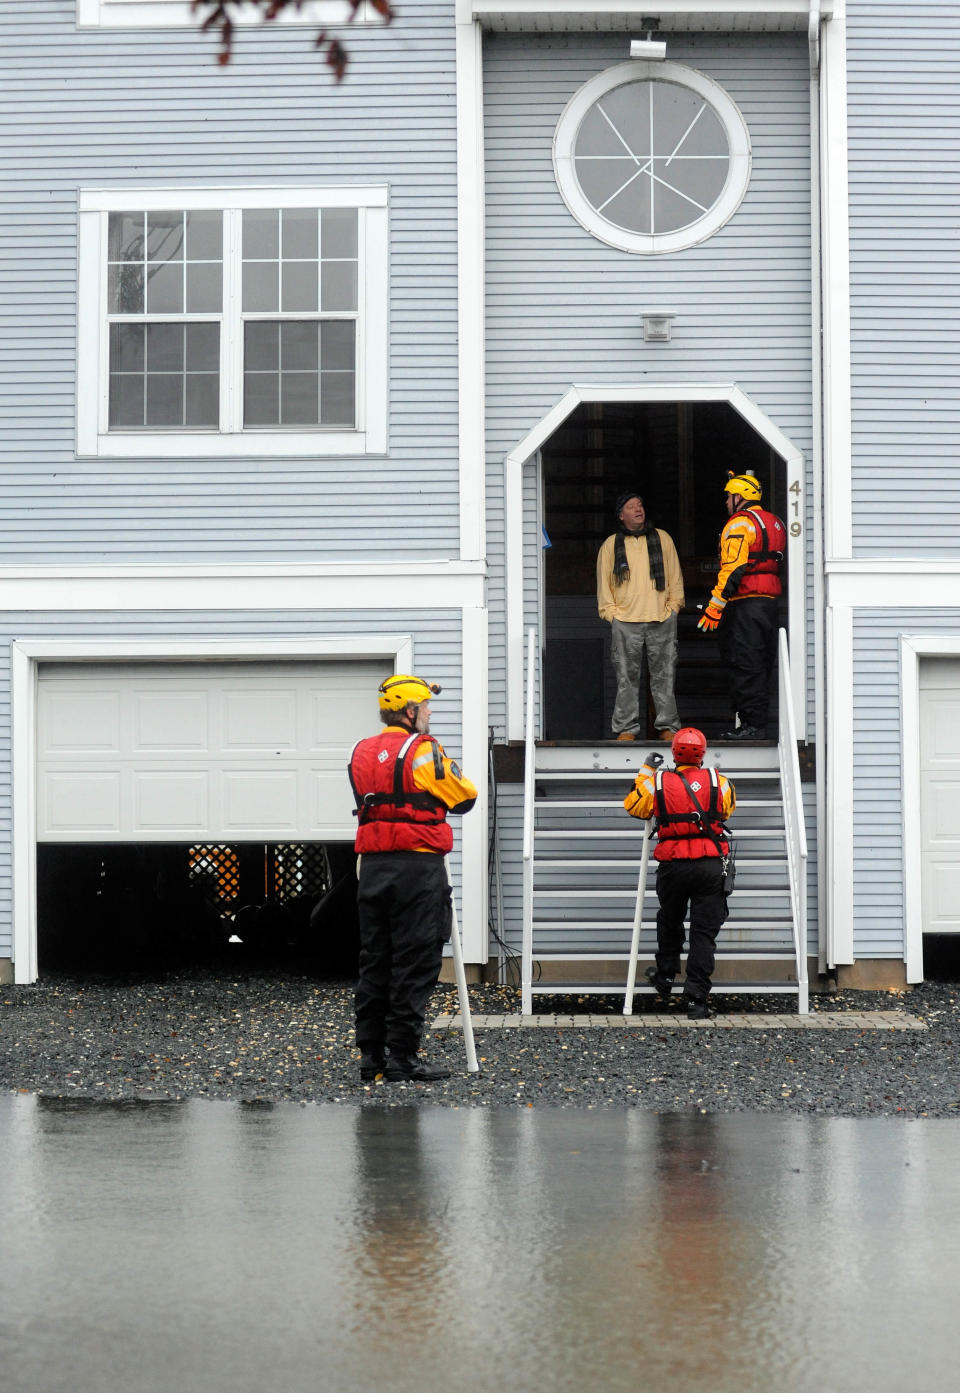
654, 760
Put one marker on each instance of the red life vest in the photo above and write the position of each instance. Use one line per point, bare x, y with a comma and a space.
680, 835
761, 575
393, 814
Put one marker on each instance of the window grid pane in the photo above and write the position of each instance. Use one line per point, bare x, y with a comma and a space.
165, 263
164, 376
299, 373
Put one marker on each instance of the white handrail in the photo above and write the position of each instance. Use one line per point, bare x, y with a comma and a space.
796, 834
529, 791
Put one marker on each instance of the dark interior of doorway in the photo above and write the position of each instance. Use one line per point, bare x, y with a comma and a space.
148, 908
677, 455
941, 957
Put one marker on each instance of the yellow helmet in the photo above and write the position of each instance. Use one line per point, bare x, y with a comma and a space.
746, 485
394, 693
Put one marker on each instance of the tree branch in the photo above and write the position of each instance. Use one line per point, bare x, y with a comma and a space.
219, 17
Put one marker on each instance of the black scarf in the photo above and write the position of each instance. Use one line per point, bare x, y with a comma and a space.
621, 568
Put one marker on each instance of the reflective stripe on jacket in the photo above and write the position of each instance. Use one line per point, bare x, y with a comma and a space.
752, 547
663, 796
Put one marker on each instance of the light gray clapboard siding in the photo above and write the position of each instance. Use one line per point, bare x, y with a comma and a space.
142, 107
904, 114
562, 307
877, 763
437, 652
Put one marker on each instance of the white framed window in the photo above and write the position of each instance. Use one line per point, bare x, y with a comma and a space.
652, 157
244, 321
162, 14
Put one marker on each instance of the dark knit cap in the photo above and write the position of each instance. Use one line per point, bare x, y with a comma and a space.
625, 498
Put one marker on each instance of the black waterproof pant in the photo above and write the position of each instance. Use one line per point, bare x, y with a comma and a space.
404, 905
699, 885
748, 648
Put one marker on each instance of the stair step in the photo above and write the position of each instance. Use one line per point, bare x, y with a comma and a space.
596, 775
578, 804
611, 989
730, 926
631, 895
631, 834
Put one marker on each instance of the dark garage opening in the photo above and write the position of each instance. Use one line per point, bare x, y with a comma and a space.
158, 907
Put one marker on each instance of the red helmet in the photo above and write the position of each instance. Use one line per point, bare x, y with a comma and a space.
689, 746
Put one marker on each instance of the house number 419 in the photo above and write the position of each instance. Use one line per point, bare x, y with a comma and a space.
796, 526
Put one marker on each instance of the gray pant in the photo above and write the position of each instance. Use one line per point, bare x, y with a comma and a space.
628, 642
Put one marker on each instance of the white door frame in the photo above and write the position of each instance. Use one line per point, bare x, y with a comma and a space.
527, 451
912, 649
26, 657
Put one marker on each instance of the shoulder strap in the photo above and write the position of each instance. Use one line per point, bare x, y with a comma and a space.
714, 808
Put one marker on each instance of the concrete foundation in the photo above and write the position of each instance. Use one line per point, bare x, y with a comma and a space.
6, 972
873, 975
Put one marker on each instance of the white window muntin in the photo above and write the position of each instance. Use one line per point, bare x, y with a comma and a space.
564, 146
369, 436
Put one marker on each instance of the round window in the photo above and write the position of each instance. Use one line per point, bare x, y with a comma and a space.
652, 157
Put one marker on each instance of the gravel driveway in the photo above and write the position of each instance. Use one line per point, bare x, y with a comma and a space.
290, 1038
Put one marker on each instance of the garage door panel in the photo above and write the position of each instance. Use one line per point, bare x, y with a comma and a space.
170, 721
255, 799
943, 890
940, 739
262, 719
171, 800
75, 722
940, 810
174, 752
81, 801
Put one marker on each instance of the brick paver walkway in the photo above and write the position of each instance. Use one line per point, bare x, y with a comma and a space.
815, 1020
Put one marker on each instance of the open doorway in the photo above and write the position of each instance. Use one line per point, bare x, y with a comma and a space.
676, 454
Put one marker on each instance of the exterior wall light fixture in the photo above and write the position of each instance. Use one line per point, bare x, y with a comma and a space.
657, 325
653, 50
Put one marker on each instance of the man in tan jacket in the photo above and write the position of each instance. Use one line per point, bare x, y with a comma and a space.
640, 593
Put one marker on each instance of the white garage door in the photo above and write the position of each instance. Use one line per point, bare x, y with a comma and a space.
940, 794
201, 751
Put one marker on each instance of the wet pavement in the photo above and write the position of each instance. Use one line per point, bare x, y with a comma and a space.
200, 1245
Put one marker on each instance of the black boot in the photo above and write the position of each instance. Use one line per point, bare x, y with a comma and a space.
744, 733
407, 1067
662, 985
372, 1063
696, 1010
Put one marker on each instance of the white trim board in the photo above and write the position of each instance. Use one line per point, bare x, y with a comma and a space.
470, 285
27, 654
838, 848
893, 584
913, 648
755, 15
169, 14
527, 451
418, 585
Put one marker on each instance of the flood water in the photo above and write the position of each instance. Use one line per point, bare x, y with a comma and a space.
215, 1246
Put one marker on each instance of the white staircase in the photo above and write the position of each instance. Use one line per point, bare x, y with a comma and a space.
582, 858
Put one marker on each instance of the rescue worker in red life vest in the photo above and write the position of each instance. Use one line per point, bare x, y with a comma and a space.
690, 805
744, 603
404, 786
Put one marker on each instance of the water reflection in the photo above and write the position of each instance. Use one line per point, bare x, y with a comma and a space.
217, 1246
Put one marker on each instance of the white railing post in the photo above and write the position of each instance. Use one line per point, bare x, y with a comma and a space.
637, 922
796, 834
529, 790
